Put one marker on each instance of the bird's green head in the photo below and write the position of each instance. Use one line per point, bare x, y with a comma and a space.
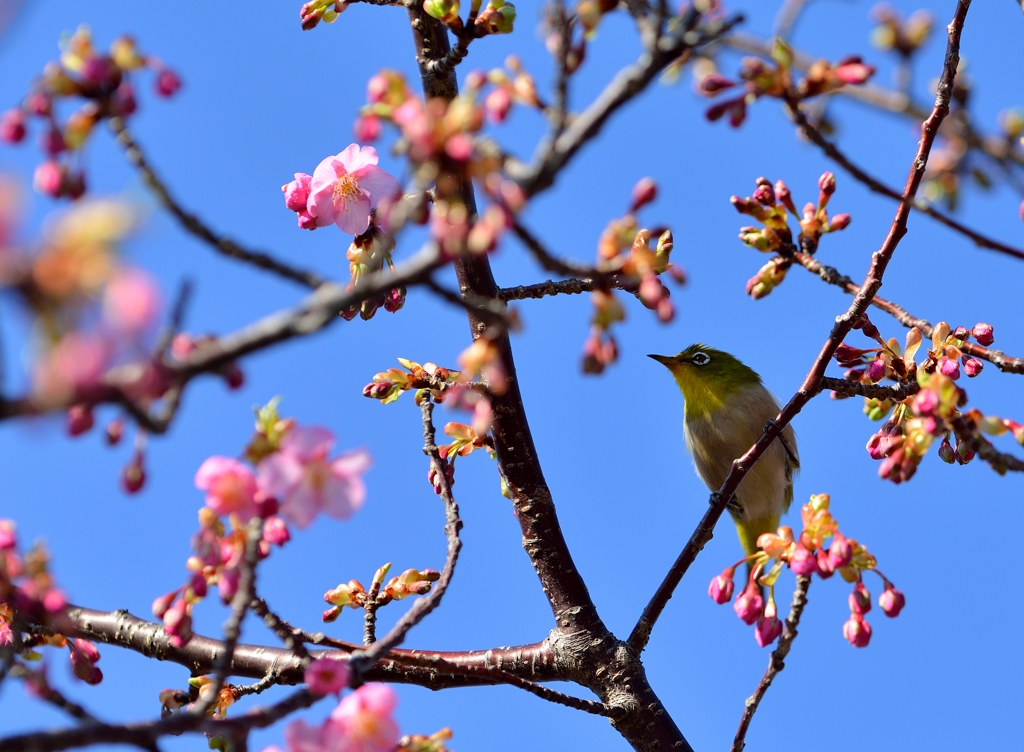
706, 377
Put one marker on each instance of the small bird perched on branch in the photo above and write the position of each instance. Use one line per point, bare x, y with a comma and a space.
726, 410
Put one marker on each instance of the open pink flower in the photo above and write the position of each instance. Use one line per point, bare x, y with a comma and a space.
230, 487
364, 719
305, 482
326, 676
345, 188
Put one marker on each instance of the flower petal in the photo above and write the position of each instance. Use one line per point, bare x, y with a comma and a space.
377, 183
355, 217
309, 443
355, 158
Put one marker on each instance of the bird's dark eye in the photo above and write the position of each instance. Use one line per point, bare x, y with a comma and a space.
700, 359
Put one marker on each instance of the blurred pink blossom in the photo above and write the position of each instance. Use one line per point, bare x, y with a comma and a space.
305, 482
364, 718
131, 301
345, 188
230, 487
326, 676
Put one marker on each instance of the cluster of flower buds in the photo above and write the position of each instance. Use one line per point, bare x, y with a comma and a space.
498, 17
902, 36
762, 79
919, 420
512, 85
806, 556
420, 743
292, 483
625, 248
103, 81
353, 595
771, 206
315, 11
28, 593
387, 386
437, 136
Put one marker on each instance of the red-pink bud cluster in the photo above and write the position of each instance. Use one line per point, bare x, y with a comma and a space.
103, 80
807, 556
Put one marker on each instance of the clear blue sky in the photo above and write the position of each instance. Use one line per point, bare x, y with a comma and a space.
262, 100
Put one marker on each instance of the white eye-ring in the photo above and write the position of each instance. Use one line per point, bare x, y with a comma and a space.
700, 359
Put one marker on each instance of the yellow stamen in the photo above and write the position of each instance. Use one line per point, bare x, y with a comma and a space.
346, 191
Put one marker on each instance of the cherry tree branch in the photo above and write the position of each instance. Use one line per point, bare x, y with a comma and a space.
895, 392
967, 432
629, 82
829, 274
998, 149
844, 324
453, 524
775, 663
319, 310
876, 186
196, 226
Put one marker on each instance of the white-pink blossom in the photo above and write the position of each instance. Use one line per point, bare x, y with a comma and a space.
305, 482
346, 187
131, 301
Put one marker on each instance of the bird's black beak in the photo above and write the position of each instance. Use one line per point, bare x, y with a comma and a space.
665, 360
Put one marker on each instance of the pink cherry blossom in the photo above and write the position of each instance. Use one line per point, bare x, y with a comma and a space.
230, 487
364, 718
305, 482
345, 188
131, 301
326, 676
296, 193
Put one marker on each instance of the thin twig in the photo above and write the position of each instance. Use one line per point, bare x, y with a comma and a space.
895, 392
43, 690
292, 638
370, 612
967, 433
233, 626
876, 186
573, 286
829, 274
453, 524
145, 734
775, 663
704, 531
194, 225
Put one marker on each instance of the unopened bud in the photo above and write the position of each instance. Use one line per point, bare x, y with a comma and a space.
644, 192
80, 419
984, 334
891, 601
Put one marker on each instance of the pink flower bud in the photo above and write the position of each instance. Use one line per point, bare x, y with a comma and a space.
167, 82
946, 452
984, 334
848, 356
123, 100
644, 192
12, 126
51, 141
857, 631
306, 220
327, 676
296, 193
876, 369
860, 599
394, 300
839, 222
891, 601
767, 630
497, 104
275, 530
80, 419
161, 604
74, 185
764, 194
924, 403
133, 477
853, 71
840, 553
48, 179
749, 604
827, 183
722, 587
39, 104
665, 310
234, 377
961, 333
802, 561
972, 366
714, 83
199, 585
366, 128
949, 367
